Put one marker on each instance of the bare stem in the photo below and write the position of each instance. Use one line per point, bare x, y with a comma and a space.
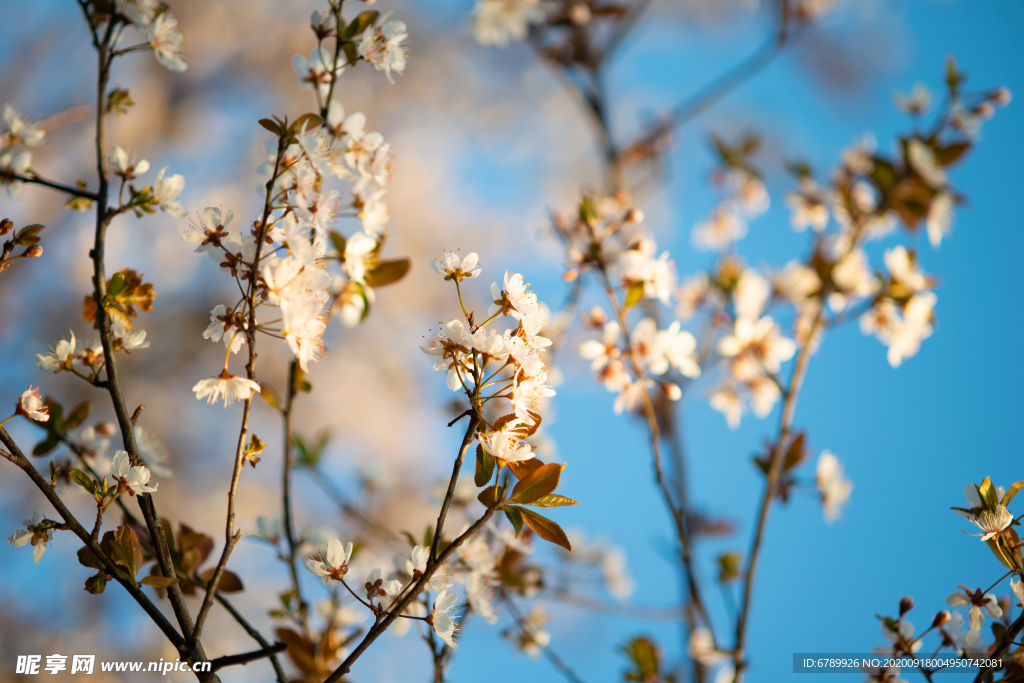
474, 422
35, 179
286, 502
771, 489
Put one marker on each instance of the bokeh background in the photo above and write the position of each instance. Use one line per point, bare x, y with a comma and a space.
487, 143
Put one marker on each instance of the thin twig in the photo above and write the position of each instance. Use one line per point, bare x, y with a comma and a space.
246, 657
396, 609
35, 179
771, 488
286, 503
474, 422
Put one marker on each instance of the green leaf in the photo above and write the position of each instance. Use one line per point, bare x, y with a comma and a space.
545, 528
26, 237
339, 242
270, 395
159, 581
491, 495
351, 54
515, 516
83, 480
884, 174
46, 445
77, 416
553, 500
271, 125
56, 411
1011, 492
358, 25
388, 272
97, 583
484, 466
116, 286
540, 482
309, 121
988, 493
87, 558
951, 153
634, 294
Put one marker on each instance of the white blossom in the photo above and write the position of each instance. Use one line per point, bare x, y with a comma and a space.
135, 478
125, 165
833, 485
497, 22
383, 47
719, 231
455, 268
232, 387
20, 129
440, 618
167, 43
31, 406
980, 605
334, 563
166, 191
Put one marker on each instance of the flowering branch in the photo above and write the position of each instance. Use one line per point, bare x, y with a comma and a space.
383, 622
103, 216
15, 456
231, 536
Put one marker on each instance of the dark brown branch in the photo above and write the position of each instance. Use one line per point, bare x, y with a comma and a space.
286, 502
34, 179
230, 535
246, 657
474, 422
18, 458
771, 488
113, 385
395, 610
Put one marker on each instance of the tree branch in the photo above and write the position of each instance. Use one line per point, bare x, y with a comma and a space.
18, 458
246, 657
34, 179
395, 610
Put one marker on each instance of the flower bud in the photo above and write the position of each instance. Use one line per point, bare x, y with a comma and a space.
906, 604
634, 216
34, 251
985, 110
595, 318
579, 13
1001, 96
6, 225
672, 390
106, 429
941, 619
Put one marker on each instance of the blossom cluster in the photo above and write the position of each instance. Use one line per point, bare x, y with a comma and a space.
288, 252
